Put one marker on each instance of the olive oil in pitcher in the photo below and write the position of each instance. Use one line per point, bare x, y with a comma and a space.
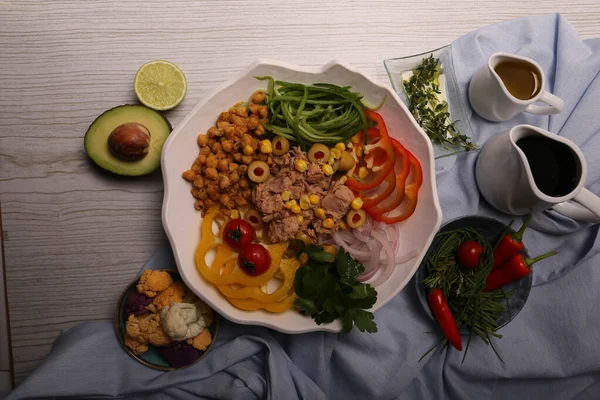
520, 78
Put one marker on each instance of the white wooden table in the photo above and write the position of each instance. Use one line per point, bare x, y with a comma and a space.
74, 236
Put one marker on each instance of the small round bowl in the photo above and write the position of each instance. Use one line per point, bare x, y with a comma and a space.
492, 230
152, 358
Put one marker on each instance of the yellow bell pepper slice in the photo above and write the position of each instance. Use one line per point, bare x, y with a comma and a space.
276, 307
288, 269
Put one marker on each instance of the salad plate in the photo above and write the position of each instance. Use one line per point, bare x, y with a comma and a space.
182, 222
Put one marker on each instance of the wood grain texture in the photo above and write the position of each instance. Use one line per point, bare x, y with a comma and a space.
75, 236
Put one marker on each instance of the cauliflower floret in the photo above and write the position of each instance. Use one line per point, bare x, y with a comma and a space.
183, 321
151, 282
135, 346
202, 341
174, 293
147, 329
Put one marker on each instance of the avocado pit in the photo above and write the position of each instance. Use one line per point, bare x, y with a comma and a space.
129, 141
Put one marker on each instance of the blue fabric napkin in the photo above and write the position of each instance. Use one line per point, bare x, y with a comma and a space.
550, 349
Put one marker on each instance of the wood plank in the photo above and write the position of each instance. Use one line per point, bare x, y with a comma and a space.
74, 236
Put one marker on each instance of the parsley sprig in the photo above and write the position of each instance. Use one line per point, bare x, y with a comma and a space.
327, 290
431, 114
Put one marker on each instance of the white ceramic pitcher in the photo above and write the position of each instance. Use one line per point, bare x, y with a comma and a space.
505, 180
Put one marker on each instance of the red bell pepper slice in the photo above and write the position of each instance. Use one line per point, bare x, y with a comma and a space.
382, 155
393, 201
373, 197
409, 203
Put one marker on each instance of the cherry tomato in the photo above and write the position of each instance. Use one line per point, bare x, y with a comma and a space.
469, 254
254, 259
238, 233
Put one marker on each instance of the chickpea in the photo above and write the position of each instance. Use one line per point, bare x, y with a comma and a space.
198, 182
212, 132
253, 108
222, 125
225, 199
211, 161
241, 111
227, 145
233, 167
253, 122
201, 159
213, 191
202, 194
260, 130
244, 183
221, 155
202, 140
229, 131
261, 157
255, 144
242, 170
234, 177
211, 173
189, 175
246, 159
263, 111
224, 182
235, 188
208, 203
269, 160
205, 150
246, 140
210, 143
198, 205
195, 193
223, 165
237, 157
237, 120
246, 193
240, 130
216, 147
224, 116
197, 168
258, 97
240, 201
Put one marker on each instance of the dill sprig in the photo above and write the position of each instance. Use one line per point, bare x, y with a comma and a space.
474, 309
431, 114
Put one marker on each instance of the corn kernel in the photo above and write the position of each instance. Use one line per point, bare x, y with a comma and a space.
328, 223
248, 150
359, 151
320, 213
290, 203
329, 248
363, 172
356, 204
300, 219
330, 160
327, 169
304, 202
266, 147
302, 236
343, 225
301, 165
355, 138
336, 153
234, 214
314, 199
343, 179
340, 146
296, 209
286, 195
303, 258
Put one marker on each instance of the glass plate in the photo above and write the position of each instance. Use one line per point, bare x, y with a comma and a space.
491, 229
396, 66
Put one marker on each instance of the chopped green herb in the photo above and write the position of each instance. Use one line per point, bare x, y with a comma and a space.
327, 290
430, 113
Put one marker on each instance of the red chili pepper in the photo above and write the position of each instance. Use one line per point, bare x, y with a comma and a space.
510, 245
444, 317
517, 267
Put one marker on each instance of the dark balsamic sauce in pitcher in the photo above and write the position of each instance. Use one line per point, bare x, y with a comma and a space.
554, 166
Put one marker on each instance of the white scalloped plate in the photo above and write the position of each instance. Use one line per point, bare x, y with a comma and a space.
182, 222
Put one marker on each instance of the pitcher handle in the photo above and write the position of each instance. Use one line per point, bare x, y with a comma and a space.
556, 105
591, 212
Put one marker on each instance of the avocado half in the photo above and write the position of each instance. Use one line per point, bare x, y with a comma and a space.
149, 121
